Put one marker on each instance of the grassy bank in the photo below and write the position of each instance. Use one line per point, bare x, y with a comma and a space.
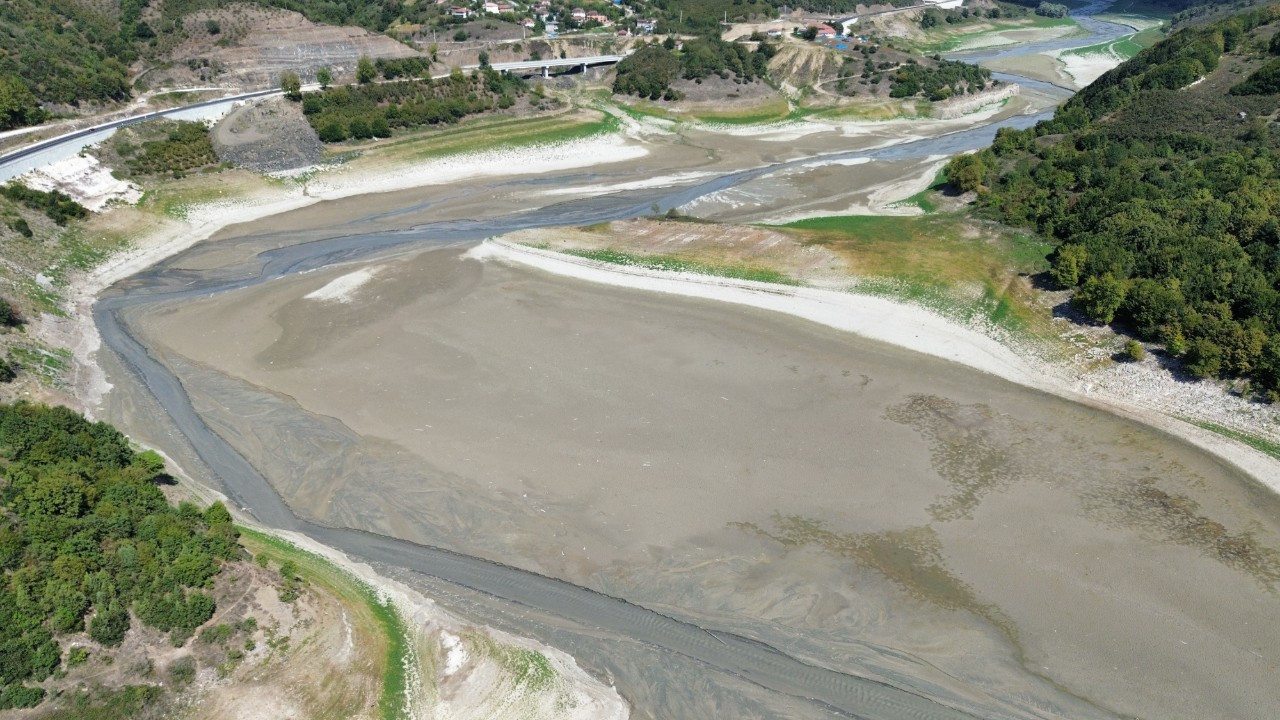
670, 263
486, 134
774, 110
939, 43
937, 261
370, 612
1260, 444
1123, 47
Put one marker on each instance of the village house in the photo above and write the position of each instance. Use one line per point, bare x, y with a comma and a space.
460, 12
528, 22
578, 14
594, 16
491, 7
646, 26
824, 30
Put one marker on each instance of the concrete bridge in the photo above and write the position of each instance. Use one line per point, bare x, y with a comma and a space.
545, 67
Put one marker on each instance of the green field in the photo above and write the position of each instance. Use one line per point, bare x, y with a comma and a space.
939, 43
1123, 47
495, 133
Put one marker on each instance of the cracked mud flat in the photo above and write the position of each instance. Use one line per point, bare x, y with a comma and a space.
859, 506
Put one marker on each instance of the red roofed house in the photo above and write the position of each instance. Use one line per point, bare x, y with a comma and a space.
824, 30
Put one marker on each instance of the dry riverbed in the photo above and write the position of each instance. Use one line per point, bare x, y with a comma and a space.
863, 506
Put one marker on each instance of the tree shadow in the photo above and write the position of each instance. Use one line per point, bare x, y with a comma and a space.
1044, 282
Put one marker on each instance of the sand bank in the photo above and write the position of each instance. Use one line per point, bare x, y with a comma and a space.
898, 324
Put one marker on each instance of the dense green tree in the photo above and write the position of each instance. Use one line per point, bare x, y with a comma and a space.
85, 535
1163, 198
967, 172
291, 85
365, 70
18, 105
324, 77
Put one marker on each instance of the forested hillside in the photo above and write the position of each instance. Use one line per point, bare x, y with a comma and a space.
70, 52
88, 542
1161, 181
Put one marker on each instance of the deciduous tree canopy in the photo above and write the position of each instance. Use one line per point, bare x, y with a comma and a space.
86, 537
1165, 197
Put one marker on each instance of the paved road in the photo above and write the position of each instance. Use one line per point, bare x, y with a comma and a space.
591, 61
15, 163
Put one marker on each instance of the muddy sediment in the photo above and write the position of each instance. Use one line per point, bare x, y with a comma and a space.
857, 504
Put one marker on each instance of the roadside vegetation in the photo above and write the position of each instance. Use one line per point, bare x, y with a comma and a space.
1162, 197
376, 110
162, 148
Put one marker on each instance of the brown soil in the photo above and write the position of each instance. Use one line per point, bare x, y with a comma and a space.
711, 243
255, 45
268, 136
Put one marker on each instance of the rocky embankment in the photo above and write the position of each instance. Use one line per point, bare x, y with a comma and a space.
268, 136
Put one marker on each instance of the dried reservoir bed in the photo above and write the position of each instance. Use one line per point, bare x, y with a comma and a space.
862, 506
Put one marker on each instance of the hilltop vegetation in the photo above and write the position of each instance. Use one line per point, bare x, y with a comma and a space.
1161, 184
88, 542
943, 79
650, 71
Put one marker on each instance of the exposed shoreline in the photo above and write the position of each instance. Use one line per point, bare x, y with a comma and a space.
891, 322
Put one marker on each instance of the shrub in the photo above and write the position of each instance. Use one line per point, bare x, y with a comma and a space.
1134, 351
20, 226
183, 670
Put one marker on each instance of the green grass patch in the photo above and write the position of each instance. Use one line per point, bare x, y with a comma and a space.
643, 111
529, 669
1260, 444
489, 134
924, 198
48, 364
671, 263
776, 110
954, 42
929, 261
877, 110
318, 570
42, 298
1124, 47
